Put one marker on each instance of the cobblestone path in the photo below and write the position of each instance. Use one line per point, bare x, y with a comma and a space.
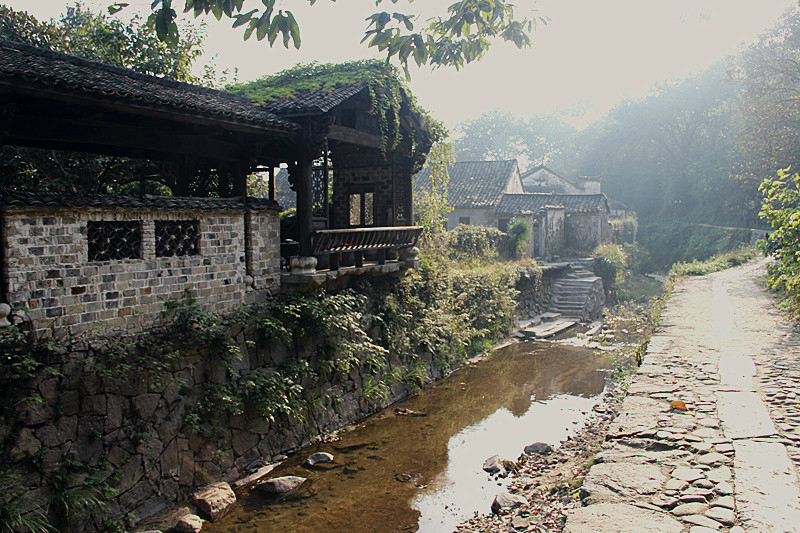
729, 461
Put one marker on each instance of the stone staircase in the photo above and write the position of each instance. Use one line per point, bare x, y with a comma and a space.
578, 294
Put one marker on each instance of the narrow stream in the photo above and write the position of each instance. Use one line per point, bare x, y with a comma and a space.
408, 473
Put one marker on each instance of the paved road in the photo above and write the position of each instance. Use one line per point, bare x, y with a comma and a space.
729, 462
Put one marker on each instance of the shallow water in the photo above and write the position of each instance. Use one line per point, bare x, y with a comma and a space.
407, 473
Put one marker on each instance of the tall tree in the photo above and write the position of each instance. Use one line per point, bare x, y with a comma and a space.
670, 154
769, 72
539, 140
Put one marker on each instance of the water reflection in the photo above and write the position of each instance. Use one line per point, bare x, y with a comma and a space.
397, 473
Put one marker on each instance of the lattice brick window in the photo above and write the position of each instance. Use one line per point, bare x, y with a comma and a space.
114, 239
177, 237
362, 209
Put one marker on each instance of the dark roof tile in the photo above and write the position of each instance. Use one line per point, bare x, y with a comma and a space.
517, 204
12, 199
473, 184
20, 63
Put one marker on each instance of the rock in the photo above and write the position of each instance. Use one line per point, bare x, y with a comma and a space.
721, 473
189, 523
319, 458
713, 458
722, 515
493, 464
401, 411
615, 482
619, 518
281, 485
724, 488
689, 509
726, 502
542, 448
702, 529
688, 474
506, 500
702, 521
520, 523
27, 445
215, 500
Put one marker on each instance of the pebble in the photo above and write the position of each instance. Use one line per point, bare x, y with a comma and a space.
724, 488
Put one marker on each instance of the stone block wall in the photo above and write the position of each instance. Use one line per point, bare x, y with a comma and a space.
49, 272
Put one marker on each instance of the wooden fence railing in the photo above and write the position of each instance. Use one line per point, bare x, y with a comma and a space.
360, 240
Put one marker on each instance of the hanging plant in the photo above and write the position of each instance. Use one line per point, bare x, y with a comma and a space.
388, 95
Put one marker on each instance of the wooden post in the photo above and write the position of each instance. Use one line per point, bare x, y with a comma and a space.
305, 205
271, 193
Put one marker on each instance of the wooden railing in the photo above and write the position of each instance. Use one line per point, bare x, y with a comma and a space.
360, 240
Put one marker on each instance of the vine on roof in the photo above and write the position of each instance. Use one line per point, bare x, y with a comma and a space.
388, 93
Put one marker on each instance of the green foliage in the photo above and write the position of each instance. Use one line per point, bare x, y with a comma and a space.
781, 209
389, 96
519, 231
682, 242
78, 491
463, 35
623, 230
187, 330
716, 263
474, 242
430, 205
17, 511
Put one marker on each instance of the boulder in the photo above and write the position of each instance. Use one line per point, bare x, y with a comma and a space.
189, 523
506, 500
281, 485
494, 464
215, 500
319, 458
542, 448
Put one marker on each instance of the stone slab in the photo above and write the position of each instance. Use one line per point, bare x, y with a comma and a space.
736, 372
637, 414
744, 415
767, 495
616, 482
619, 518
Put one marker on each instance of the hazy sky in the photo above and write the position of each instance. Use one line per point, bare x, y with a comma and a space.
589, 56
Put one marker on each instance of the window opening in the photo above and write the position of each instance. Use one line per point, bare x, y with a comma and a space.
177, 238
114, 240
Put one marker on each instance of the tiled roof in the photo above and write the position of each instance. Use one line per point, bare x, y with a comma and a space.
517, 204
319, 101
11, 199
20, 63
473, 184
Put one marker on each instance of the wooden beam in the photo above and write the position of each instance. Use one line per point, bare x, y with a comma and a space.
103, 137
354, 136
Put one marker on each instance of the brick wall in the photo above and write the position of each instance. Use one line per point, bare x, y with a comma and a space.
49, 272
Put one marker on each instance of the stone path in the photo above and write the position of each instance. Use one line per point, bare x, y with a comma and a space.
729, 461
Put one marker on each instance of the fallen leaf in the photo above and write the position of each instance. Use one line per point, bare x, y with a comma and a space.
678, 404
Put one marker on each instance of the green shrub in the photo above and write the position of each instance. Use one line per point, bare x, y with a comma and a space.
475, 242
518, 233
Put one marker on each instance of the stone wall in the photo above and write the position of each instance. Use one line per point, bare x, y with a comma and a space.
49, 270
131, 432
585, 231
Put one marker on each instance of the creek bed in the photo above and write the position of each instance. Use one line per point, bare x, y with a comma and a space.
423, 473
